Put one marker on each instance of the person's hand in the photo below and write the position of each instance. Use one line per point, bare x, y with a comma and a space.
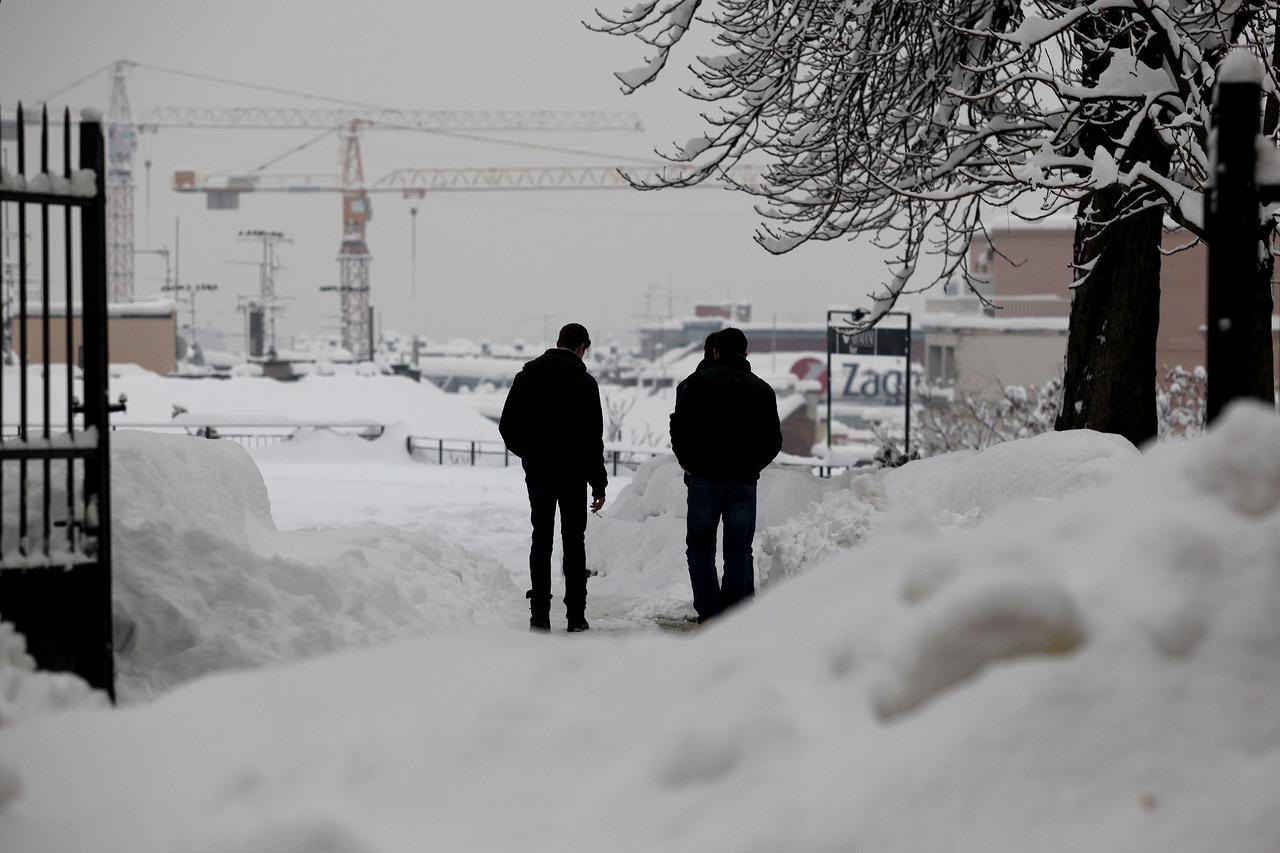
597, 503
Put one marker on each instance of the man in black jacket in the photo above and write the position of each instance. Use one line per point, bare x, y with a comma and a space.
724, 432
552, 421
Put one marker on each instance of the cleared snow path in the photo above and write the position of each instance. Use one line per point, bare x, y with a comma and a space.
484, 510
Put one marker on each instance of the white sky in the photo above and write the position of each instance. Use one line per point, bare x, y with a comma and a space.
489, 265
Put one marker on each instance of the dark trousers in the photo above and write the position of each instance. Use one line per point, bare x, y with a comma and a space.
571, 495
709, 502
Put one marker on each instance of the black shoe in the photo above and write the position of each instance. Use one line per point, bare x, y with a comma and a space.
539, 612
578, 624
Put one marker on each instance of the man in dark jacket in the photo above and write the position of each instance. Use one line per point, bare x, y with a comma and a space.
552, 421
724, 432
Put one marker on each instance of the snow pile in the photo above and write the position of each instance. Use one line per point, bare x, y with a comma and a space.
324, 446
27, 693
1087, 673
971, 484
838, 522
205, 583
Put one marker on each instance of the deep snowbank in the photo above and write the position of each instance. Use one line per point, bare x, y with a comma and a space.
205, 583
638, 549
1093, 672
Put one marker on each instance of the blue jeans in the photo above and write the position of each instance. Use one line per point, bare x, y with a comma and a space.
709, 501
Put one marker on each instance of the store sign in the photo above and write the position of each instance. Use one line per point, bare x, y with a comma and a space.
877, 341
868, 380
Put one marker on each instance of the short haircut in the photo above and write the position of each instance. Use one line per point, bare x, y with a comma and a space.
731, 341
573, 335
709, 345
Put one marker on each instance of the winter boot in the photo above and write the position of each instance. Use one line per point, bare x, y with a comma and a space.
578, 622
539, 612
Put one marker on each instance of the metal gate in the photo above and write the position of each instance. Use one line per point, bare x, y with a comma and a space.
55, 507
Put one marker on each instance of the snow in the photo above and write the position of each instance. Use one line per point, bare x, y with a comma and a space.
1241, 66
206, 583
1056, 644
25, 692
82, 183
343, 397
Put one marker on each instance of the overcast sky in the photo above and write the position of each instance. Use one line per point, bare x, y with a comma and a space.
501, 266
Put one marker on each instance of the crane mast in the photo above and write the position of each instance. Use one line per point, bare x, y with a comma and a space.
353, 256
122, 142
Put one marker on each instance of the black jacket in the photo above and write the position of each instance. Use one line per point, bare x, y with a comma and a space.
725, 426
552, 420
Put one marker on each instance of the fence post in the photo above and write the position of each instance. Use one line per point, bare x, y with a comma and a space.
473, 454
1231, 226
440, 446
506, 457
94, 372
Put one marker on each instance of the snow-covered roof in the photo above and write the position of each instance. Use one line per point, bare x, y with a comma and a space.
149, 308
976, 322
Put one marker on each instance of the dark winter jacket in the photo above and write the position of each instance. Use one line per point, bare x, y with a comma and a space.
552, 421
725, 426
702, 365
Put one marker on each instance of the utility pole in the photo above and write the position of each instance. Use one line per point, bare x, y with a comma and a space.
187, 293
261, 311
413, 252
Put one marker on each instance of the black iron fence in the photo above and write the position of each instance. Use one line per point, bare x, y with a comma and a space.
465, 451
253, 436
55, 496
618, 458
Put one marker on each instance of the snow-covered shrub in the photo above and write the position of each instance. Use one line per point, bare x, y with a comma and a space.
944, 421
1180, 402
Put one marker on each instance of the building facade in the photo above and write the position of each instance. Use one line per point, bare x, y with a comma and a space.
139, 333
1025, 269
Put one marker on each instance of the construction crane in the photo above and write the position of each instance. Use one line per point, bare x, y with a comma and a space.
348, 122
353, 254
222, 192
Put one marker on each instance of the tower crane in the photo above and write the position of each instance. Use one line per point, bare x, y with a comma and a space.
348, 121
222, 192
349, 124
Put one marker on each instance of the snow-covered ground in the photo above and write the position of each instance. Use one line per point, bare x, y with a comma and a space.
1055, 644
347, 396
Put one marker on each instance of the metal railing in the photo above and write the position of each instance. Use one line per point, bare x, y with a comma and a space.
618, 458
479, 453
253, 436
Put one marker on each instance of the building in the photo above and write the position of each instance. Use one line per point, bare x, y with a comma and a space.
142, 333
980, 354
1024, 270
676, 333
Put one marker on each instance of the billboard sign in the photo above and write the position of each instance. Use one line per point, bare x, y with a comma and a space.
868, 367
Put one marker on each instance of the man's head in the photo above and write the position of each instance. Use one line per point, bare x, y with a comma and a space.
730, 342
709, 346
574, 337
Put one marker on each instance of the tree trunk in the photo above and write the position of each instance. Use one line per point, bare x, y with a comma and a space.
1109, 382
1110, 379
